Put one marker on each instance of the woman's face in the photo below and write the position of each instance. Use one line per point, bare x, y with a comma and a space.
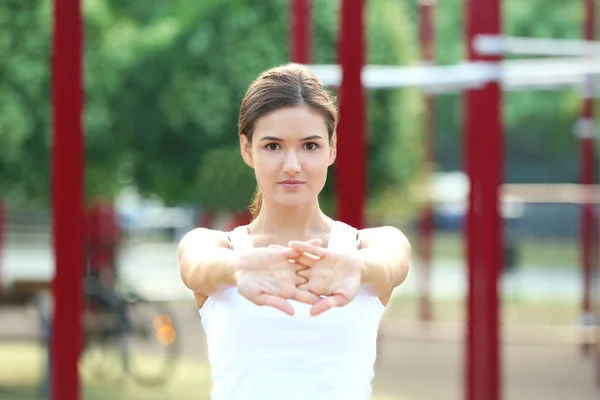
290, 154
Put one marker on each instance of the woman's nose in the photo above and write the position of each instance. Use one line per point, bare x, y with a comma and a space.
292, 163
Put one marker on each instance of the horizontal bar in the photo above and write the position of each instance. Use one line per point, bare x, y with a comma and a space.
514, 75
514, 45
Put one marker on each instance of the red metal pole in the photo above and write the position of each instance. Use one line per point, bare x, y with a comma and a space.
67, 196
586, 135
483, 163
426, 36
350, 167
300, 48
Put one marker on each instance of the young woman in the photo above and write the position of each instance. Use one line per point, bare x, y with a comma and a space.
292, 302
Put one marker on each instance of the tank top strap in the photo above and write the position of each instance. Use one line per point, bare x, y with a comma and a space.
343, 237
240, 240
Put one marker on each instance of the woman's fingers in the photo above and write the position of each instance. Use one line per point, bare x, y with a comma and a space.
307, 260
305, 296
304, 273
315, 242
306, 247
300, 280
276, 302
327, 303
312, 242
298, 256
290, 253
298, 267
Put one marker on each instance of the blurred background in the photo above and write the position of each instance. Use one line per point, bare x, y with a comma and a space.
163, 85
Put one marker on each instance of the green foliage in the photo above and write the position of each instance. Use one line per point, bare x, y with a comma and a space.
395, 129
24, 115
539, 124
224, 177
392, 115
203, 77
164, 81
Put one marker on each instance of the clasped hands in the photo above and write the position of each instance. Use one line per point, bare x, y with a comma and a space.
303, 271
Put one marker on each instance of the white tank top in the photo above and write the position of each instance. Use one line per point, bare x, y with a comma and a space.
260, 353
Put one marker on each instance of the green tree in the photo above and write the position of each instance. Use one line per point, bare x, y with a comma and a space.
192, 89
164, 81
25, 99
24, 93
394, 130
539, 124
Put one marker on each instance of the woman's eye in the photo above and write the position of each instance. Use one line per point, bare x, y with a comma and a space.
311, 146
272, 146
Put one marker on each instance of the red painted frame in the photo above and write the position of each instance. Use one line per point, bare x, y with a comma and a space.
67, 196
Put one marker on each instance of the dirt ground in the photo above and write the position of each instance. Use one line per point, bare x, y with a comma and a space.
425, 363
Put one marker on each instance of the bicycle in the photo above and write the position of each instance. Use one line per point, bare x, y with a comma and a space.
125, 335
111, 330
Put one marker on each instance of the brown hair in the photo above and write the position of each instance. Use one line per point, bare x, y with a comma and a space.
284, 86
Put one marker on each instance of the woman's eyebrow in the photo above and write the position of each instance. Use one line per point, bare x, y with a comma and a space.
276, 139
313, 137
271, 138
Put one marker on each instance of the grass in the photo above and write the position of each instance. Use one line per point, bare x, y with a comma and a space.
21, 366
514, 312
22, 363
20, 374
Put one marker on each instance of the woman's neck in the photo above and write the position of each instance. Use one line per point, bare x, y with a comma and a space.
298, 222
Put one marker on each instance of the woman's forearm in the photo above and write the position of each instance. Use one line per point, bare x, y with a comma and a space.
379, 275
206, 269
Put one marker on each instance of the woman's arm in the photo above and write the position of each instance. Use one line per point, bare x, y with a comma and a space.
385, 253
206, 262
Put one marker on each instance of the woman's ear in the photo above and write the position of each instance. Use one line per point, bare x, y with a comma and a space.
246, 150
333, 149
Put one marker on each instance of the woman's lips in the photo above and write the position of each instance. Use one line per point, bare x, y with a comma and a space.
291, 183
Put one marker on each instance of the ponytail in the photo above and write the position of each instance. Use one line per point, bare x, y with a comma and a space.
256, 204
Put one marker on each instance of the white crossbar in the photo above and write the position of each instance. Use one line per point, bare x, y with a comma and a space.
530, 74
514, 45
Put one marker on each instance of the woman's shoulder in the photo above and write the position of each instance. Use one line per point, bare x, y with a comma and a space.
369, 235
379, 230
206, 236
